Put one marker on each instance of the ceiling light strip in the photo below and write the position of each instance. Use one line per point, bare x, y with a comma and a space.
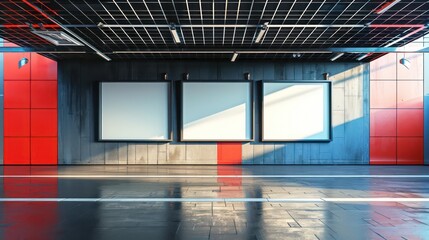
338, 55
67, 30
386, 6
234, 57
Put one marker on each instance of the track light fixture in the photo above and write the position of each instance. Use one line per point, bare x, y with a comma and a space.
261, 33
174, 33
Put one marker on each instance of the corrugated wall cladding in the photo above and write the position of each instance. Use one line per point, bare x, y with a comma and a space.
78, 114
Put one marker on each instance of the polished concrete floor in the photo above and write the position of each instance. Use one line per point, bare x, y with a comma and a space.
214, 202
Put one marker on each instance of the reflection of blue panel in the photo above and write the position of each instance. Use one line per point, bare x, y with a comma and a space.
216, 111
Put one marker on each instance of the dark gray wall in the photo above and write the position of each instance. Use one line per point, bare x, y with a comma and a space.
77, 113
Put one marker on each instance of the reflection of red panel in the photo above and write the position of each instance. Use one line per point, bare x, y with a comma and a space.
43, 68
383, 122
44, 122
383, 94
230, 186
16, 150
43, 94
229, 153
410, 150
16, 94
410, 122
384, 67
44, 150
383, 150
16, 187
36, 220
11, 70
17, 122
410, 94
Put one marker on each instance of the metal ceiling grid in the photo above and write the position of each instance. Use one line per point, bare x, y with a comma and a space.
239, 20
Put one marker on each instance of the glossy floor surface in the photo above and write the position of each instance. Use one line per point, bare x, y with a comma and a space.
214, 202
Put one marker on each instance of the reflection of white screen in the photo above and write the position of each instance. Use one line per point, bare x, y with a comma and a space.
134, 111
216, 111
296, 111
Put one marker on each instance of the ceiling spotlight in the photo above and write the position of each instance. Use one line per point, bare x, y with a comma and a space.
296, 55
174, 33
247, 76
386, 6
261, 33
325, 76
22, 62
234, 56
185, 76
405, 62
338, 55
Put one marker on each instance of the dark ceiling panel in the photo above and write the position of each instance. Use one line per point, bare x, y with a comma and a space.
82, 17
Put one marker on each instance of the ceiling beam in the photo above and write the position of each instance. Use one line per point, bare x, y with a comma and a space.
233, 25
283, 51
243, 51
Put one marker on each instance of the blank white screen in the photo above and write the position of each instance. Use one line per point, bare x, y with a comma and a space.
217, 111
296, 111
134, 111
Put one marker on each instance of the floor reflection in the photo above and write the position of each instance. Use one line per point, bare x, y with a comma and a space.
193, 219
29, 220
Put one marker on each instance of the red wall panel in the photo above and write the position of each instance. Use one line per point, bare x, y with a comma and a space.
383, 94
407, 146
410, 150
17, 122
43, 68
16, 150
410, 122
44, 150
30, 97
410, 94
229, 153
384, 67
18, 94
383, 122
44, 94
11, 70
44, 122
383, 150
